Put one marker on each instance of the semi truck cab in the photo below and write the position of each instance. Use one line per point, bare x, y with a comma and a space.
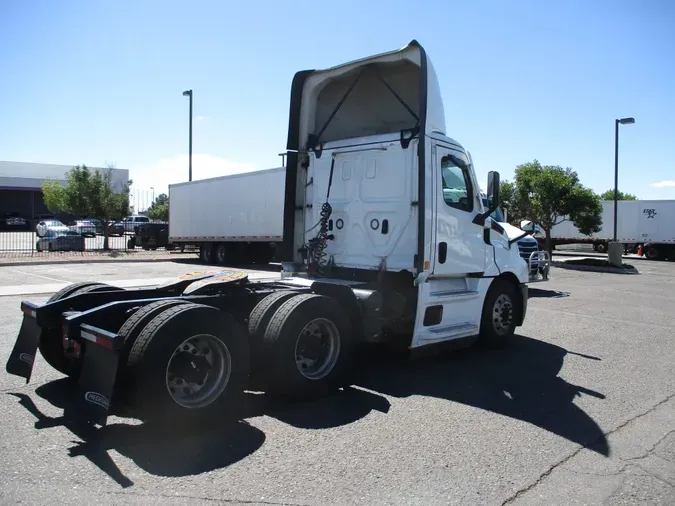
378, 192
386, 240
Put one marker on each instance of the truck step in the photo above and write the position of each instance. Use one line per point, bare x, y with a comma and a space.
450, 332
454, 293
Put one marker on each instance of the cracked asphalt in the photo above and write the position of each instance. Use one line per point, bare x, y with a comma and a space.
580, 409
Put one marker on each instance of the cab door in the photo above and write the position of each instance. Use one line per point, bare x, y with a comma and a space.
460, 244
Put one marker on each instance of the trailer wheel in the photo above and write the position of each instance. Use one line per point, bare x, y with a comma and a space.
602, 247
307, 348
500, 311
653, 253
190, 361
221, 254
51, 345
206, 253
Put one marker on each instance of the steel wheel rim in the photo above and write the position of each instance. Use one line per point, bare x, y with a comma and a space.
192, 392
319, 337
502, 314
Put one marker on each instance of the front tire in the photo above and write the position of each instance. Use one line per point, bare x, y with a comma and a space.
308, 347
500, 313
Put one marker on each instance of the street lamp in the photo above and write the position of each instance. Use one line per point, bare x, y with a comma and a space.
188, 93
623, 121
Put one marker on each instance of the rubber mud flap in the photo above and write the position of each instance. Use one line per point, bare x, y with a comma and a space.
22, 358
95, 386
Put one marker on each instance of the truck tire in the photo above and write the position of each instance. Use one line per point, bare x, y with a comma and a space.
500, 312
298, 373
221, 254
51, 346
206, 253
602, 247
259, 319
189, 362
653, 253
129, 332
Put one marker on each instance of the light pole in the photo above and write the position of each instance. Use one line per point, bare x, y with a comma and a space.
622, 121
188, 93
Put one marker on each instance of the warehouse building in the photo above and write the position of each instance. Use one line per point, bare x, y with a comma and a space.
21, 182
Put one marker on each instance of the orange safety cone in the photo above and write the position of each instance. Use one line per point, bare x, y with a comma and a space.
639, 251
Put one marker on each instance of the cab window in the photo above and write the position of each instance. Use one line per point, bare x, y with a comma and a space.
457, 191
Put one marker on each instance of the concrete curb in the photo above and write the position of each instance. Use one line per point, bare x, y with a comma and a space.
93, 260
590, 268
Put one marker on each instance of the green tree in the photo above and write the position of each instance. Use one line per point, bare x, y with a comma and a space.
88, 194
549, 195
609, 195
159, 210
510, 203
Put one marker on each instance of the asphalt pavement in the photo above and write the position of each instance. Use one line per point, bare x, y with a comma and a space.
580, 409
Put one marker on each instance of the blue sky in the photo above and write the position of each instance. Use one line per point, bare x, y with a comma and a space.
101, 82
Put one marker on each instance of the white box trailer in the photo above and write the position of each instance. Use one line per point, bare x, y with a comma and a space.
649, 224
231, 219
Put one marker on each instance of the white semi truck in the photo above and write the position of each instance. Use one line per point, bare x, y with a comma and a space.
373, 252
645, 226
238, 219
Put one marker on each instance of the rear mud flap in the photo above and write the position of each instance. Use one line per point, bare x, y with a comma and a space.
95, 386
22, 358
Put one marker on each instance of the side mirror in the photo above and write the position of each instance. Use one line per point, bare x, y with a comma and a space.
527, 226
492, 198
493, 190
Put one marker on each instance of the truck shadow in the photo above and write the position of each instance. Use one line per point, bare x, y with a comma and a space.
546, 294
162, 451
520, 381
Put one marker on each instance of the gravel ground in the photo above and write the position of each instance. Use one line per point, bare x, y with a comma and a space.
579, 410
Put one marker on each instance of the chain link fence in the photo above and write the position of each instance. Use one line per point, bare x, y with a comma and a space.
46, 238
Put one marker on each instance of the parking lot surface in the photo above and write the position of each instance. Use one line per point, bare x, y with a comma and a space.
580, 409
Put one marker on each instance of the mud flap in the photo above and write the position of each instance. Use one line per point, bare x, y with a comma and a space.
22, 358
97, 379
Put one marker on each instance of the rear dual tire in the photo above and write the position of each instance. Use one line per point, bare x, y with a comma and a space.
189, 362
303, 345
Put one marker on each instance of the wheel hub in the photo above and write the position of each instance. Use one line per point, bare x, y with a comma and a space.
317, 349
502, 314
198, 371
191, 367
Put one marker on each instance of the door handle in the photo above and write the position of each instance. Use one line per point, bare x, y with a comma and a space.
442, 252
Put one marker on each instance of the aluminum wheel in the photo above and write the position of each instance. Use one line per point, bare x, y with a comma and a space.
317, 349
502, 314
198, 371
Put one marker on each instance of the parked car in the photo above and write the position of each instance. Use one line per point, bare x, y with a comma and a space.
128, 225
43, 225
151, 236
58, 239
83, 227
14, 221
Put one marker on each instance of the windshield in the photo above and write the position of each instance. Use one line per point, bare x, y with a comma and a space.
496, 214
